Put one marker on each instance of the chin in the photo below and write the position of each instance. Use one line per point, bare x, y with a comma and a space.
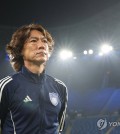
41, 61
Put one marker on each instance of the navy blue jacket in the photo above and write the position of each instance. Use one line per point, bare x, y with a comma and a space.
32, 104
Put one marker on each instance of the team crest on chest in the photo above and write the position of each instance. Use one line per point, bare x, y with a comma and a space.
54, 98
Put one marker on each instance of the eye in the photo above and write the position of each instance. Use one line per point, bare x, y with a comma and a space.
44, 40
33, 40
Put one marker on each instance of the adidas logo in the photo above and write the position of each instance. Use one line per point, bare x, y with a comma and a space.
27, 99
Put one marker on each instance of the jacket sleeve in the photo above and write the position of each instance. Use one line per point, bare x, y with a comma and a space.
62, 113
3, 100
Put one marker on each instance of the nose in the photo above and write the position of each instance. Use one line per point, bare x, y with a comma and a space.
41, 45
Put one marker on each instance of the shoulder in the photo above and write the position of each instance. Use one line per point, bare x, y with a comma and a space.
8, 84
60, 86
60, 82
63, 88
8, 80
55, 80
4, 81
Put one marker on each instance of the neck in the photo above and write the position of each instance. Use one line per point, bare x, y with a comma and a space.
37, 69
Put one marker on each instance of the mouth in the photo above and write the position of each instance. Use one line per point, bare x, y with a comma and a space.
41, 53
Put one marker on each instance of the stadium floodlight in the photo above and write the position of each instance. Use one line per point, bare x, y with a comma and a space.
85, 52
90, 51
100, 54
106, 48
74, 57
65, 54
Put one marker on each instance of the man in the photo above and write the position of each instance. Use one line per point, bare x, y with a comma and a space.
31, 102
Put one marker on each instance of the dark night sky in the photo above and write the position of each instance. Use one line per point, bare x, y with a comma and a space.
51, 13
84, 22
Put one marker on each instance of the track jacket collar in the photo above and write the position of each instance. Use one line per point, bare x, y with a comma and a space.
32, 76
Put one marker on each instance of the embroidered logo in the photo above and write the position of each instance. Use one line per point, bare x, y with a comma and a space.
27, 99
53, 98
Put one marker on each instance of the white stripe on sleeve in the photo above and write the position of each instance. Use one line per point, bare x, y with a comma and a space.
3, 82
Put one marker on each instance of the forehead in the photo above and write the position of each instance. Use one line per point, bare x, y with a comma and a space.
36, 33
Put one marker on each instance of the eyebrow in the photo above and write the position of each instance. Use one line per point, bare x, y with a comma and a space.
32, 37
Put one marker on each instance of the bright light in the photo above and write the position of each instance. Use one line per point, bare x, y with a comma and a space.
65, 54
85, 52
100, 54
74, 58
106, 48
90, 51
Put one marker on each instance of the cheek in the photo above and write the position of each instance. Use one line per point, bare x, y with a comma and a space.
28, 52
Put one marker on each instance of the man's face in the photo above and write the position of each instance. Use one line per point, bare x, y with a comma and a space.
35, 49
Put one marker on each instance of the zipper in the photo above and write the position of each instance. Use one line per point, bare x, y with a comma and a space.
41, 106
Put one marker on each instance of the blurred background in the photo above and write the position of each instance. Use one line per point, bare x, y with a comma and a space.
86, 56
